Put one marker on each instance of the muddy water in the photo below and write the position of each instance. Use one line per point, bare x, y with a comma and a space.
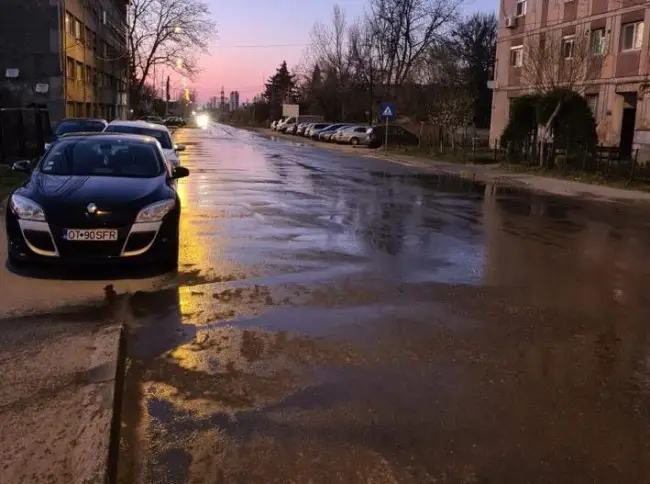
344, 320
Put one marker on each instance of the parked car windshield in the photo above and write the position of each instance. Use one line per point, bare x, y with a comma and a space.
320, 126
80, 126
162, 136
99, 156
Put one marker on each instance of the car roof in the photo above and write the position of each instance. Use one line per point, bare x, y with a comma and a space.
84, 119
139, 124
112, 136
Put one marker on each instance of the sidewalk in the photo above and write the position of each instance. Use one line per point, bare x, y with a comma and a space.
482, 173
57, 394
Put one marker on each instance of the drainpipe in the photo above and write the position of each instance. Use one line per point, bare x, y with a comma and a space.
62, 65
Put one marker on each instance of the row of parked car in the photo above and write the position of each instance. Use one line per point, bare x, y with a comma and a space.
352, 134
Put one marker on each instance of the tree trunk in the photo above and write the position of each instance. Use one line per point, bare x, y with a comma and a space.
547, 129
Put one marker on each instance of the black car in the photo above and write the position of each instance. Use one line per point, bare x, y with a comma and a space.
397, 136
77, 125
98, 198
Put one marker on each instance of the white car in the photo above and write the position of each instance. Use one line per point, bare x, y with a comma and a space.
157, 131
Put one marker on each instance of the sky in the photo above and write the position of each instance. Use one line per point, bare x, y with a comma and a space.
255, 36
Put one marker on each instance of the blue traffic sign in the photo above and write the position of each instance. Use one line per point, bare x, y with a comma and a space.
387, 111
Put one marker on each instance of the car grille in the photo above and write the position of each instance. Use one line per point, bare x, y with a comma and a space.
39, 239
139, 240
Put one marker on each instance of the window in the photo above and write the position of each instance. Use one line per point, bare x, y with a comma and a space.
521, 8
631, 36
90, 39
592, 101
516, 56
104, 17
68, 23
89, 75
79, 73
69, 68
567, 46
598, 42
77, 29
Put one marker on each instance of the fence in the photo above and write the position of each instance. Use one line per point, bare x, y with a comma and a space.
604, 162
23, 133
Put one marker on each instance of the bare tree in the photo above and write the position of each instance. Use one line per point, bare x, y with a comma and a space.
552, 61
403, 29
166, 33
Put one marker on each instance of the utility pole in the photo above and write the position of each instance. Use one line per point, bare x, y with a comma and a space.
167, 94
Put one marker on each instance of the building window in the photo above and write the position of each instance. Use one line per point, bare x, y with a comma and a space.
77, 29
516, 56
598, 42
69, 68
592, 101
68, 23
631, 36
568, 43
89, 75
521, 8
104, 17
79, 72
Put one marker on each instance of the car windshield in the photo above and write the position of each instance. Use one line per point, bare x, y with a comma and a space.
162, 136
320, 126
80, 126
100, 156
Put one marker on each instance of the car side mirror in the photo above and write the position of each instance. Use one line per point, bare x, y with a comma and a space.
180, 172
179, 147
22, 166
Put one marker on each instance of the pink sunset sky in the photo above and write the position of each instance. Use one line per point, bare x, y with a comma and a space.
255, 36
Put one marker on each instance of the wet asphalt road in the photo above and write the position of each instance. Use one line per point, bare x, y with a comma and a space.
339, 319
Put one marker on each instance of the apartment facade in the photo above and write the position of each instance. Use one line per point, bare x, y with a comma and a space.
66, 55
618, 84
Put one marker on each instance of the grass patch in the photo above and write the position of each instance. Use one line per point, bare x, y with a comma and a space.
478, 157
596, 178
9, 180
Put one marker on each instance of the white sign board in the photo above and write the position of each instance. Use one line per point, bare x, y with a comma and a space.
42, 88
290, 110
12, 73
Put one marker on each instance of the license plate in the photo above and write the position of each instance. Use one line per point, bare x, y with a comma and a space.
91, 235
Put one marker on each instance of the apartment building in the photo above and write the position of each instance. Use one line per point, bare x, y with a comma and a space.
617, 85
66, 55
234, 100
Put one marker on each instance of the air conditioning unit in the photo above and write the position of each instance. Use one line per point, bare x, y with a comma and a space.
511, 22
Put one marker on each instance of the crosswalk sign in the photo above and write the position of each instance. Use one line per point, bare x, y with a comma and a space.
387, 111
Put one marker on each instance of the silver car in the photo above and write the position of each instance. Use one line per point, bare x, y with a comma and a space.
353, 135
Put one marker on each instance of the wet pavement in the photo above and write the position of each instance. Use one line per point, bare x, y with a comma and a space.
339, 319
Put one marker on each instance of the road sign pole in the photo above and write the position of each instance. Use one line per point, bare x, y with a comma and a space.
386, 137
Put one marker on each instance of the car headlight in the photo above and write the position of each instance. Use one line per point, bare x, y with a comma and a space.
26, 209
155, 212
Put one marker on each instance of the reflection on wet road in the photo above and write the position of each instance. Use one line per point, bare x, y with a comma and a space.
339, 319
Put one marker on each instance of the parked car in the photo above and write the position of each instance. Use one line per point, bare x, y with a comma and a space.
157, 131
325, 134
353, 135
152, 119
301, 128
76, 125
397, 135
307, 129
315, 128
175, 122
120, 204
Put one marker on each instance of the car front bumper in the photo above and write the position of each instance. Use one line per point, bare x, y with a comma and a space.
41, 242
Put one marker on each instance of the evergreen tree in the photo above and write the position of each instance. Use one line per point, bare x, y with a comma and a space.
279, 89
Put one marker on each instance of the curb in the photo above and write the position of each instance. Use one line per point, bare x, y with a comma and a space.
116, 420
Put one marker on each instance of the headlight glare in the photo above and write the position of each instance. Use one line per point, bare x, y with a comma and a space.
26, 209
156, 211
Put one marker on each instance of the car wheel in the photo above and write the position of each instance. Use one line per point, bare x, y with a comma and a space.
170, 261
354, 141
